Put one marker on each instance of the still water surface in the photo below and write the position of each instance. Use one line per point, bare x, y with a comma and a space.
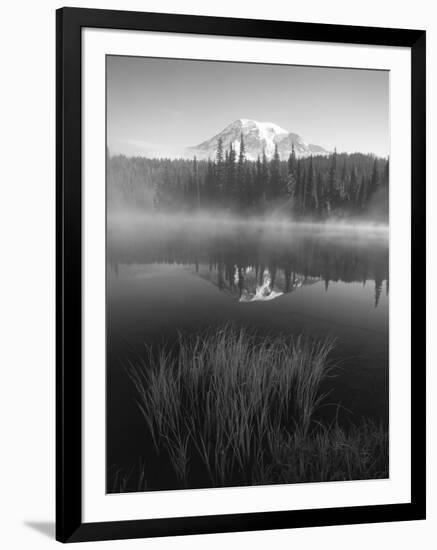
164, 279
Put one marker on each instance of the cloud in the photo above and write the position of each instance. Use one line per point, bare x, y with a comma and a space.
142, 148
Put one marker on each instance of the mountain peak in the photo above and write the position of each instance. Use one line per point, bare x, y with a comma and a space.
251, 124
259, 138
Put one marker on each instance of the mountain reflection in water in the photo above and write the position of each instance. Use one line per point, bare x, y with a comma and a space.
253, 284
258, 263
168, 278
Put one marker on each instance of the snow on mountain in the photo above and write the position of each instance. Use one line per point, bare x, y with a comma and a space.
258, 137
250, 285
264, 292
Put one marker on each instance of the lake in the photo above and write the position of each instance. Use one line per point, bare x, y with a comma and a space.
168, 276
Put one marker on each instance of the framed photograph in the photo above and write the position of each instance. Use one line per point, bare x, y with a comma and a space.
240, 274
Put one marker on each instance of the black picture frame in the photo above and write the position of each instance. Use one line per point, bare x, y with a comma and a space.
69, 525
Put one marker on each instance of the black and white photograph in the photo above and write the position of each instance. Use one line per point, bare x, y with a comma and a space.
247, 274
217, 281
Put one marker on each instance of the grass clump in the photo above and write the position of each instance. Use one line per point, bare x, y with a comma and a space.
238, 409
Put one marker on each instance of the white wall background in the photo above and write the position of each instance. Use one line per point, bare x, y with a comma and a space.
27, 287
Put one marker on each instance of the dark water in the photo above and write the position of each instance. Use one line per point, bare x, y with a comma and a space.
169, 277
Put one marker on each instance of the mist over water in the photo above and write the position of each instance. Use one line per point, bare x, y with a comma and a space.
130, 219
138, 236
264, 251
179, 274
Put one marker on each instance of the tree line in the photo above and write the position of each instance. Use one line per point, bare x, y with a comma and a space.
319, 186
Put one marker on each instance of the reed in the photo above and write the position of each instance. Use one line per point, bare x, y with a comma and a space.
242, 407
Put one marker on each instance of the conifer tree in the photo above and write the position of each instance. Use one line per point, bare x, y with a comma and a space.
219, 151
291, 177
374, 179
362, 193
275, 175
242, 153
230, 175
386, 175
241, 182
230, 180
343, 180
353, 180
265, 176
299, 187
196, 182
320, 194
313, 196
303, 190
332, 183
258, 181
210, 194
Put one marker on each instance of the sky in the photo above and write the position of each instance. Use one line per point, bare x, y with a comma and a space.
157, 107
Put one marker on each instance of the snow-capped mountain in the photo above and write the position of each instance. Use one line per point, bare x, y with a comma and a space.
250, 284
263, 291
258, 137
